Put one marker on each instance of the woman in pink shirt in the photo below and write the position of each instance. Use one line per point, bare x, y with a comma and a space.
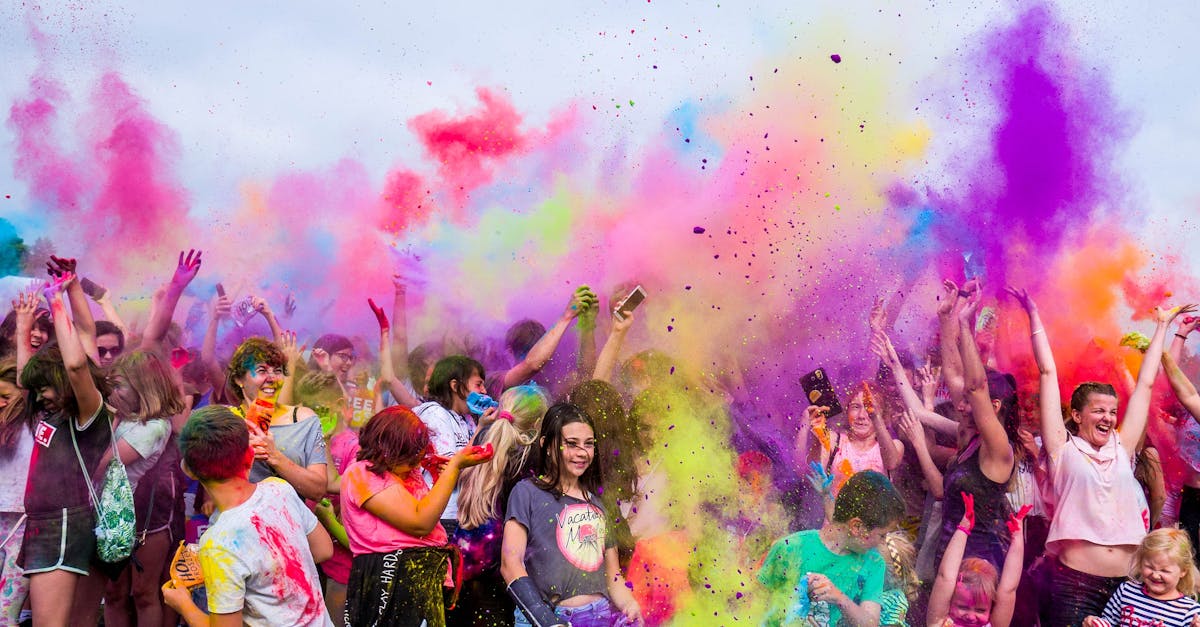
1101, 513
392, 521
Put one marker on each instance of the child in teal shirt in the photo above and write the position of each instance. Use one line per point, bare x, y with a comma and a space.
834, 573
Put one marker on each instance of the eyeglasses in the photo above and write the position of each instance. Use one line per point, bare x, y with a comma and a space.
345, 357
106, 352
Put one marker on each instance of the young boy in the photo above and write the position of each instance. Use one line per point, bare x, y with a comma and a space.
259, 556
834, 572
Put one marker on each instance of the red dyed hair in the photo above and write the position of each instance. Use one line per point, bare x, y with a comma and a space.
391, 438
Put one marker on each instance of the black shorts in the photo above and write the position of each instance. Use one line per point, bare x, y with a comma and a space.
59, 540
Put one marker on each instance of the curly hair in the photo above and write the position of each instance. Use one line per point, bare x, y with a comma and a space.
393, 437
250, 353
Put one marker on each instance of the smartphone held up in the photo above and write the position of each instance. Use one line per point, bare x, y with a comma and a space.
629, 303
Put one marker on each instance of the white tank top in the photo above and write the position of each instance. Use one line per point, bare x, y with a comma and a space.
1097, 497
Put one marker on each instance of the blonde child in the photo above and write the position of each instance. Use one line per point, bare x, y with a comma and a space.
900, 581
1161, 586
966, 592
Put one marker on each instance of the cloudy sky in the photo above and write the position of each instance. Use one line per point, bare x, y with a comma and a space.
256, 88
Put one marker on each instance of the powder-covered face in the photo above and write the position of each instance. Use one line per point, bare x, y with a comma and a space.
968, 609
261, 380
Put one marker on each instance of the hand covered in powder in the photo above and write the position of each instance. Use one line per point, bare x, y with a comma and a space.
968, 519
187, 269
380, 316
1015, 521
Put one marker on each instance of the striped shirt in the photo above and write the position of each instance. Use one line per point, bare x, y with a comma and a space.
1131, 607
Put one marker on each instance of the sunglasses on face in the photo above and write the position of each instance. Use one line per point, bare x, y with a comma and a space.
106, 352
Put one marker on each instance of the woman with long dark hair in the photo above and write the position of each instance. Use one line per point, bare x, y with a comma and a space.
558, 559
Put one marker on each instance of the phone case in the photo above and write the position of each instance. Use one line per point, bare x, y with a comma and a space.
819, 391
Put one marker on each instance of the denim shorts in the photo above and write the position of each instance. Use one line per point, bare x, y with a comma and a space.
598, 613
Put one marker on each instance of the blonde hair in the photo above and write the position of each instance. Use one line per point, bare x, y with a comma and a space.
978, 578
154, 382
901, 557
1173, 543
511, 435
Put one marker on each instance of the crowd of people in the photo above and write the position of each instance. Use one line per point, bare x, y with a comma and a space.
946, 492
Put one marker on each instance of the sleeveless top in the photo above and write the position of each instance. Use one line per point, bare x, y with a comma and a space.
1098, 498
989, 539
847, 460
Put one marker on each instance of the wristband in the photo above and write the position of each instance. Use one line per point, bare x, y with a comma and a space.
964, 530
535, 608
1181, 336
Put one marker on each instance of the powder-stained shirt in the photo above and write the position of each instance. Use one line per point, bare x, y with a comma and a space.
449, 432
791, 559
148, 438
567, 537
55, 477
367, 532
256, 559
14, 471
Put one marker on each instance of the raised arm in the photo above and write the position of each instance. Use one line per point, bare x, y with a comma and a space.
399, 328
79, 373
996, 452
293, 352
1054, 432
208, 347
418, 517
1186, 325
585, 362
607, 361
890, 449
1183, 388
81, 313
543, 350
26, 313
947, 576
261, 306
952, 366
1137, 412
387, 373
103, 298
912, 430
882, 346
1010, 575
160, 321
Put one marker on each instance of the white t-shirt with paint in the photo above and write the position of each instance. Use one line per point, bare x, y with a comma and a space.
256, 559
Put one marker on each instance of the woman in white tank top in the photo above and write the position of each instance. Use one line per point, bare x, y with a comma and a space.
1100, 510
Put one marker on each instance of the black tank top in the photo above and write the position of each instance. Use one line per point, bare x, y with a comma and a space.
990, 537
